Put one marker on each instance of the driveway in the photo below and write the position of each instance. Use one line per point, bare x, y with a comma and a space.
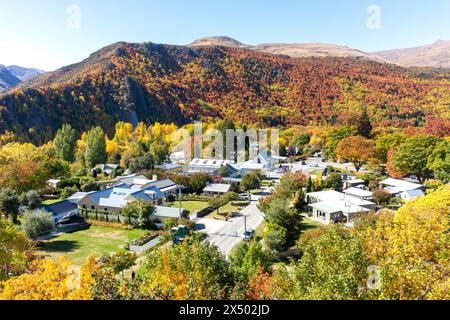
226, 235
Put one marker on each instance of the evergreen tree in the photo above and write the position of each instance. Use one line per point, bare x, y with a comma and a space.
65, 143
95, 148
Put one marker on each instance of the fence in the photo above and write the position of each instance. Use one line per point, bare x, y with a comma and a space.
147, 246
204, 212
107, 217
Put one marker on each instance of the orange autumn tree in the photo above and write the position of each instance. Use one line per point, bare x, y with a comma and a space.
49, 280
356, 149
390, 166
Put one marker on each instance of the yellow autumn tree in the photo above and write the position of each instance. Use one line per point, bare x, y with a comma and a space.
193, 271
412, 249
49, 280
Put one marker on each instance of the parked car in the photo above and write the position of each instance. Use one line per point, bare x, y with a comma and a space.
245, 197
314, 165
248, 235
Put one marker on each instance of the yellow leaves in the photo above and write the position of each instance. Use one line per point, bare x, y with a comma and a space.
49, 280
412, 248
17, 151
124, 132
111, 147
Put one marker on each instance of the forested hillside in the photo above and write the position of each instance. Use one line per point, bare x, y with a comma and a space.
150, 82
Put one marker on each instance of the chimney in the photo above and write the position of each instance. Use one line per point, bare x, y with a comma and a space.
155, 178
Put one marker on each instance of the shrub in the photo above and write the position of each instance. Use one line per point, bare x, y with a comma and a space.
37, 223
30, 199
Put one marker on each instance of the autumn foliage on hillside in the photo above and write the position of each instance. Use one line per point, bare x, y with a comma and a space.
149, 82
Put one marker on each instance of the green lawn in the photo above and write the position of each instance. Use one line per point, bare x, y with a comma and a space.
317, 172
234, 206
261, 228
79, 245
192, 206
52, 201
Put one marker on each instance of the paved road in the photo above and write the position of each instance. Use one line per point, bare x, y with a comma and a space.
226, 235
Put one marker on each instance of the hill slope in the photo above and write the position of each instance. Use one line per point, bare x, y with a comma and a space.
151, 82
435, 55
7, 79
293, 50
13, 75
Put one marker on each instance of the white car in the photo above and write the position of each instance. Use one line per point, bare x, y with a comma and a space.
314, 165
248, 235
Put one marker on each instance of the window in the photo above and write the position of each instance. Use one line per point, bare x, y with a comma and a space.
84, 206
93, 207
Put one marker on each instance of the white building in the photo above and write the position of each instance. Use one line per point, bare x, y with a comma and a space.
334, 207
214, 189
411, 194
359, 193
395, 186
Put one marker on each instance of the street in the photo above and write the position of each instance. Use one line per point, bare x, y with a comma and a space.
226, 235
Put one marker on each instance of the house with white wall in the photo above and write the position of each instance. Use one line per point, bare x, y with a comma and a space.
335, 207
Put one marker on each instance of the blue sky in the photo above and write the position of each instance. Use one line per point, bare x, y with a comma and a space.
34, 33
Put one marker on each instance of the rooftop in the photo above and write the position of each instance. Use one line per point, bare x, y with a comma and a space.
220, 188
358, 192
333, 197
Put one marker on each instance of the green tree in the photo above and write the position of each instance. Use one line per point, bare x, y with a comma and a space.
119, 262
335, 136
9, 204
387, 142
224, 172
146, 162
333, 267
279, 213
290, 184
95, 148
31, 199
412, 156
333, 181
65, 143
275, 238
198, 182
251, 181
159, 152
439, 161
141, 212
247, 259
37, 223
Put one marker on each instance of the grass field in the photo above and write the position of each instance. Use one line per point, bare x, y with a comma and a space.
192, 206
79, 245
48, 202
234, 206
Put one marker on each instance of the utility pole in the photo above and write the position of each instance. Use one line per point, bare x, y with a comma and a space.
245, 223
179, 198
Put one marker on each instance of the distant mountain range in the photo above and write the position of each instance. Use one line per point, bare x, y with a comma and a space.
11, 76
209, 80
436, 55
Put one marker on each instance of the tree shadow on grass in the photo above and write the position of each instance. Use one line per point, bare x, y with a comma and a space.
59, 246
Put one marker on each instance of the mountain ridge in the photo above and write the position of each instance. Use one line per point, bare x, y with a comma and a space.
165, 83
11, 76
435, 55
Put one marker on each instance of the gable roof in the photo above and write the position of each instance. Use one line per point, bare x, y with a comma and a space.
166, 212
220, 188
60, 208
397, 186
358, 192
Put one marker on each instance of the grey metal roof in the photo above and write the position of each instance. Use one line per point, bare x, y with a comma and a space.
61, 207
